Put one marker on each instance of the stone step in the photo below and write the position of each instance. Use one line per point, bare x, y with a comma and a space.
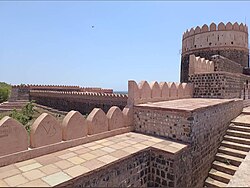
246, 110
5, 110
210, 182
219, 176
238, 134
7, 106
233, 152
237, 139
233, 145
242, 119
239, 128
228, 159
224, 167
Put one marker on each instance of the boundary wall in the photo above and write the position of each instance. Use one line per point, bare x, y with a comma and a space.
84, 102
47, 135
153, 92
202, 129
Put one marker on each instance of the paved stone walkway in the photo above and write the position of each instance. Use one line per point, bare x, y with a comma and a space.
185, 104
53, 169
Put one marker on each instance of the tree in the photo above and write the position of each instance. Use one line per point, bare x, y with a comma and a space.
4, 94
4, 91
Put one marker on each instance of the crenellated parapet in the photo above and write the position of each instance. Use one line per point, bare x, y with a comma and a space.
153, 92
200, 65
63, 88
227, 40
76, 93
48, 135
216, 36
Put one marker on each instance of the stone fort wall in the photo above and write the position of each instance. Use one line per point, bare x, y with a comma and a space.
84, 102
21, 92
202, 130
148, 168
68, 98
230, 41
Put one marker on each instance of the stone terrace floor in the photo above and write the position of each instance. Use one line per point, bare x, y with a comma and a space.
185, 104
53, 169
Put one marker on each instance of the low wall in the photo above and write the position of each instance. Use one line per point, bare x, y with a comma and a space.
84, 102
200, 65
148, 168
152, 92
224, 64
203, 129
47, 135
217, 85
21, 92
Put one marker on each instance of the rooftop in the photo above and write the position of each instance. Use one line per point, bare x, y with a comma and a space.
55, 168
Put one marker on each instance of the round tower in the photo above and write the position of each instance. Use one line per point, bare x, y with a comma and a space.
230, 41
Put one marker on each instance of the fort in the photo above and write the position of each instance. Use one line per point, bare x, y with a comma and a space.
162, 134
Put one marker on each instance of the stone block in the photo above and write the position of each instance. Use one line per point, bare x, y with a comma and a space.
97, 122
128, 116
133, 92
74, 126
156, 91
13, 136
115, 118
164, 90
45, 130
173, 91
145, 91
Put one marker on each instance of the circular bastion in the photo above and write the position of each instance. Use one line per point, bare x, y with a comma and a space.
228, 40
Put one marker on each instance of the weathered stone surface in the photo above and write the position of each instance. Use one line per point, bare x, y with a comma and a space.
156, 91
145, 90
74, 126
45, 130
164, 90
180, 91
128, 115
115, 118
133, 92
97, 122
13, 136
190, 122
173, 91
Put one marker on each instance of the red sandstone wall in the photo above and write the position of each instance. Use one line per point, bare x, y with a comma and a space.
83, 102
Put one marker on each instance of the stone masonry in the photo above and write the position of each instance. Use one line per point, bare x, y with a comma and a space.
202, 127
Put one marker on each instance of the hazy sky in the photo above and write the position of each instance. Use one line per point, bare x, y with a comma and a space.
54, 43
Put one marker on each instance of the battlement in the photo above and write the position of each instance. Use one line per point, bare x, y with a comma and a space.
200, 65
31, 86
63, 88
49, 135
152, 92
234, 36
213, 27
76, 93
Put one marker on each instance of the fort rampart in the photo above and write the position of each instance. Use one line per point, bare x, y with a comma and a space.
48, 135
202, 129
84, 102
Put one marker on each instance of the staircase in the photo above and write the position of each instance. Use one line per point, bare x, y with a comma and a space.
8, 106
233, 149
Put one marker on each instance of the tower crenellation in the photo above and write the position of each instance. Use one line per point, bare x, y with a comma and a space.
228, 40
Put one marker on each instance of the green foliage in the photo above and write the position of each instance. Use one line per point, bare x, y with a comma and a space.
25, 115
4, 91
